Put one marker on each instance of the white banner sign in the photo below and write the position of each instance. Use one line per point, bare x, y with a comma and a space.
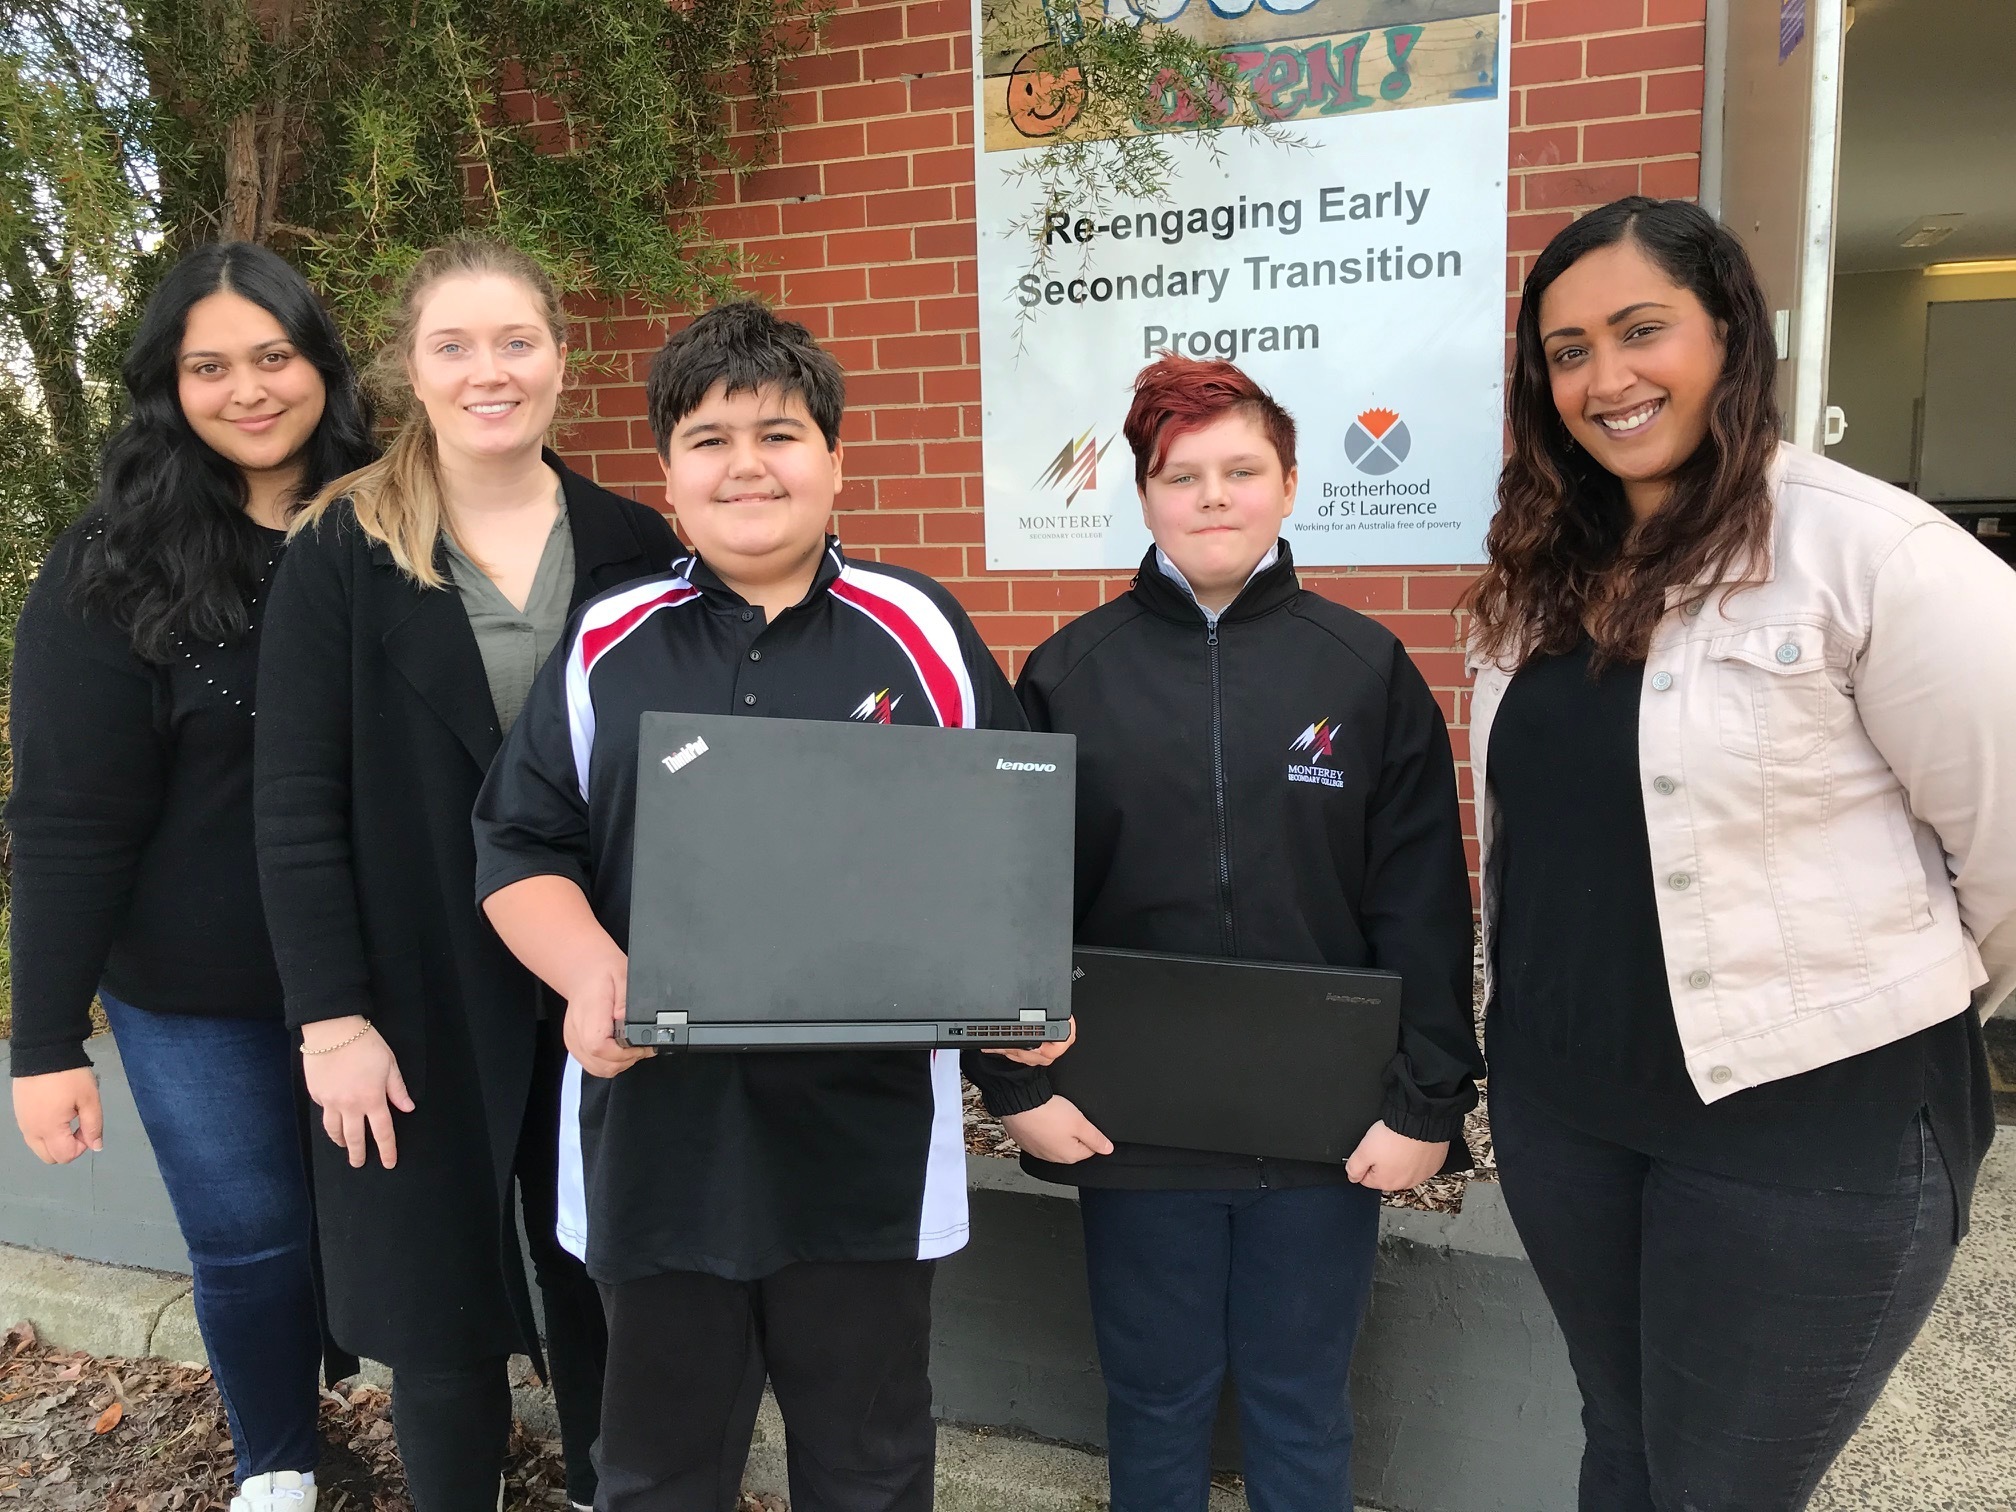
1358, 271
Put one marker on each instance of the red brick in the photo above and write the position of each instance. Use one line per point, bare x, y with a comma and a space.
983, 598
795, 182
1650, 137
1575, 18
878, 461
821, 69
828, 286
862, 25
629, 467
948, 241
1579, 186
868, 175
935, 424
1072, 595
1545, 147
871, 247
912, 280
907, 59
1531, 233
823, 144
1678, 178
1366, 594
945, 91
853, 102
936, 494
1590, 101
869, 389
884, 317
929, 18
952, 387
953, 166
740, 222
959, 312
1674, 91
1674, 12
934, 561
955, 527
832, 212
909, 207
786, 254
584, 436
942, 457
1546, 63
1426, 592
1647, 51
911, 133
859, 526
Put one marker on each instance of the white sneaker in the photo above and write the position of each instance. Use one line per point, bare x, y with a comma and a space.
277, 1491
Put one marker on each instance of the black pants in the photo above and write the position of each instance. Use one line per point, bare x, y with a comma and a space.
1729, 1336
848, 1349
454, 1423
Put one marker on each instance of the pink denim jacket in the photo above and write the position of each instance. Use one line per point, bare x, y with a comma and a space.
1829, 767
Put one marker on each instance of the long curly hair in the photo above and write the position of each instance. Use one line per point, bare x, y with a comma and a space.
1566, 556
177, 554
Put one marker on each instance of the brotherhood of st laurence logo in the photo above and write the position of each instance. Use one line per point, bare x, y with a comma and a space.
1377, 442
877, 707
1076, 468
1313, 747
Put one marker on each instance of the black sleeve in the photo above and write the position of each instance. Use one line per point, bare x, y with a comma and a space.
1006, 1086
301, 782
90, 775
1416, 913
531, 818
661, 547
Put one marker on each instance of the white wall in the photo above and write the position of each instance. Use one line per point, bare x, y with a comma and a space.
1876, 366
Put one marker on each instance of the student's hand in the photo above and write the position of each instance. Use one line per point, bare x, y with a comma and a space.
1057, 1132
59, 1114
1042, 1055
356, 1087
1389, 1162
596, 995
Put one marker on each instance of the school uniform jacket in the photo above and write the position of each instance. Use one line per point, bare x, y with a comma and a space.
375, 728
1277, 786
737, 1165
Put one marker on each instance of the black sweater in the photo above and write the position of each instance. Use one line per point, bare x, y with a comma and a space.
1277, 787
131, 820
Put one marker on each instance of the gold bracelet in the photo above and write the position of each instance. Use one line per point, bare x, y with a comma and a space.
339, 1044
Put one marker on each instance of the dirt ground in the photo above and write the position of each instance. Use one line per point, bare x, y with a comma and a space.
84, 1434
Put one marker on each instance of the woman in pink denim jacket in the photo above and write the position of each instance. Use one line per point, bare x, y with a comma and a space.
1744, 735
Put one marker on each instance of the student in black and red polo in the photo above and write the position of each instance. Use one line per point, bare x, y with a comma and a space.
775, 1210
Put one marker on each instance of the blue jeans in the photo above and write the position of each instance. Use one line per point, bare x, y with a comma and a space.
1272, 1284
216, 1097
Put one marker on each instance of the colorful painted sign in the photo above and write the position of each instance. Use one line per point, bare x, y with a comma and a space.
1357, 269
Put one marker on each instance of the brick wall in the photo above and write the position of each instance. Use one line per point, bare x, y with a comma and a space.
864, 229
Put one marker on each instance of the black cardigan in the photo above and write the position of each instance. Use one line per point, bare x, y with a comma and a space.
375, 732
131, 820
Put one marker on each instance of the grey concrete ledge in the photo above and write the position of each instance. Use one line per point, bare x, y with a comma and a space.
105, 1309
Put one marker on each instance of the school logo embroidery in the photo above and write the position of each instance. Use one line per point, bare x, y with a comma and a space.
1377, 442
1314, 745
877, 707
1076, 467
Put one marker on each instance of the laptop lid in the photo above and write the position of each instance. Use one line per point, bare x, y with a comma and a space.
1245, 1057
806, 882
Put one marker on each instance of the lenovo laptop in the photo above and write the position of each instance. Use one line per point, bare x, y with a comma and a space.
1247, 1057
807, 883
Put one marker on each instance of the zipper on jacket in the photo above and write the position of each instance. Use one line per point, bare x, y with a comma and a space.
1218, 795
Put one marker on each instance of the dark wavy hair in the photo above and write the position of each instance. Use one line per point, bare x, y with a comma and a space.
1565, 552
177, 555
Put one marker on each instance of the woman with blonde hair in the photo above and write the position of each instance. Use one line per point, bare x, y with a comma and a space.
417, 600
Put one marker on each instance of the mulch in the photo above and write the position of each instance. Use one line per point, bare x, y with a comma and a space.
79, 1433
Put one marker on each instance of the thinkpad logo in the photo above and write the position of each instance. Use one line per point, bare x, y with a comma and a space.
686, 755
1003, 764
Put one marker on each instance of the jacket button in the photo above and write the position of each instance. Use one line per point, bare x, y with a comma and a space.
748, 615
755, 656
748, 698
1720, 1075
1679, 879
1665, 786
1698, 979
1661, 681
1788, 653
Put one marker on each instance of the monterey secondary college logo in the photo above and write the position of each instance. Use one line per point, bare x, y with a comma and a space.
877, 706
1377, 442
1314, 746
1076, 467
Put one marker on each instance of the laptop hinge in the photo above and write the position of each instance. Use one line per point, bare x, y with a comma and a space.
672, 1017
1034, 1016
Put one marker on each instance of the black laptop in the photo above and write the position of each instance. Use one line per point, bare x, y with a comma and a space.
1246, 1057
806, 883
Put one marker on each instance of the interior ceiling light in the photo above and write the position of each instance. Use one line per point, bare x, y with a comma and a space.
1928, 231
1984, 265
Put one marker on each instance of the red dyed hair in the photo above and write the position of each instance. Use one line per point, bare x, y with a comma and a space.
1176, 395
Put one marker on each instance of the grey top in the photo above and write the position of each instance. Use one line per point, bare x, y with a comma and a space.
514, 643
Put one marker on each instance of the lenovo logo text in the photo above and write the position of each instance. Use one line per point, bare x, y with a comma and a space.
1003, 764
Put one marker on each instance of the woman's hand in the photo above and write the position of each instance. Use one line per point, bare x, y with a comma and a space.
59, 1114
1042, 1055
1389, 1162
597, 994
1057, 1132
356, 1087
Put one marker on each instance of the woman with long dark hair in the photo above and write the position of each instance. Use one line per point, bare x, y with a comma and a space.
417, 600
1749, 839
134, 878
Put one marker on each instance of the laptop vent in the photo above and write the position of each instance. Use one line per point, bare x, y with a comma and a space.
994, 1031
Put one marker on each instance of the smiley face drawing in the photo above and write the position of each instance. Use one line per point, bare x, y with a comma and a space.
1042, 103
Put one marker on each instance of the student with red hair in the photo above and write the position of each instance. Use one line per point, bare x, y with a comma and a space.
1262, 774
